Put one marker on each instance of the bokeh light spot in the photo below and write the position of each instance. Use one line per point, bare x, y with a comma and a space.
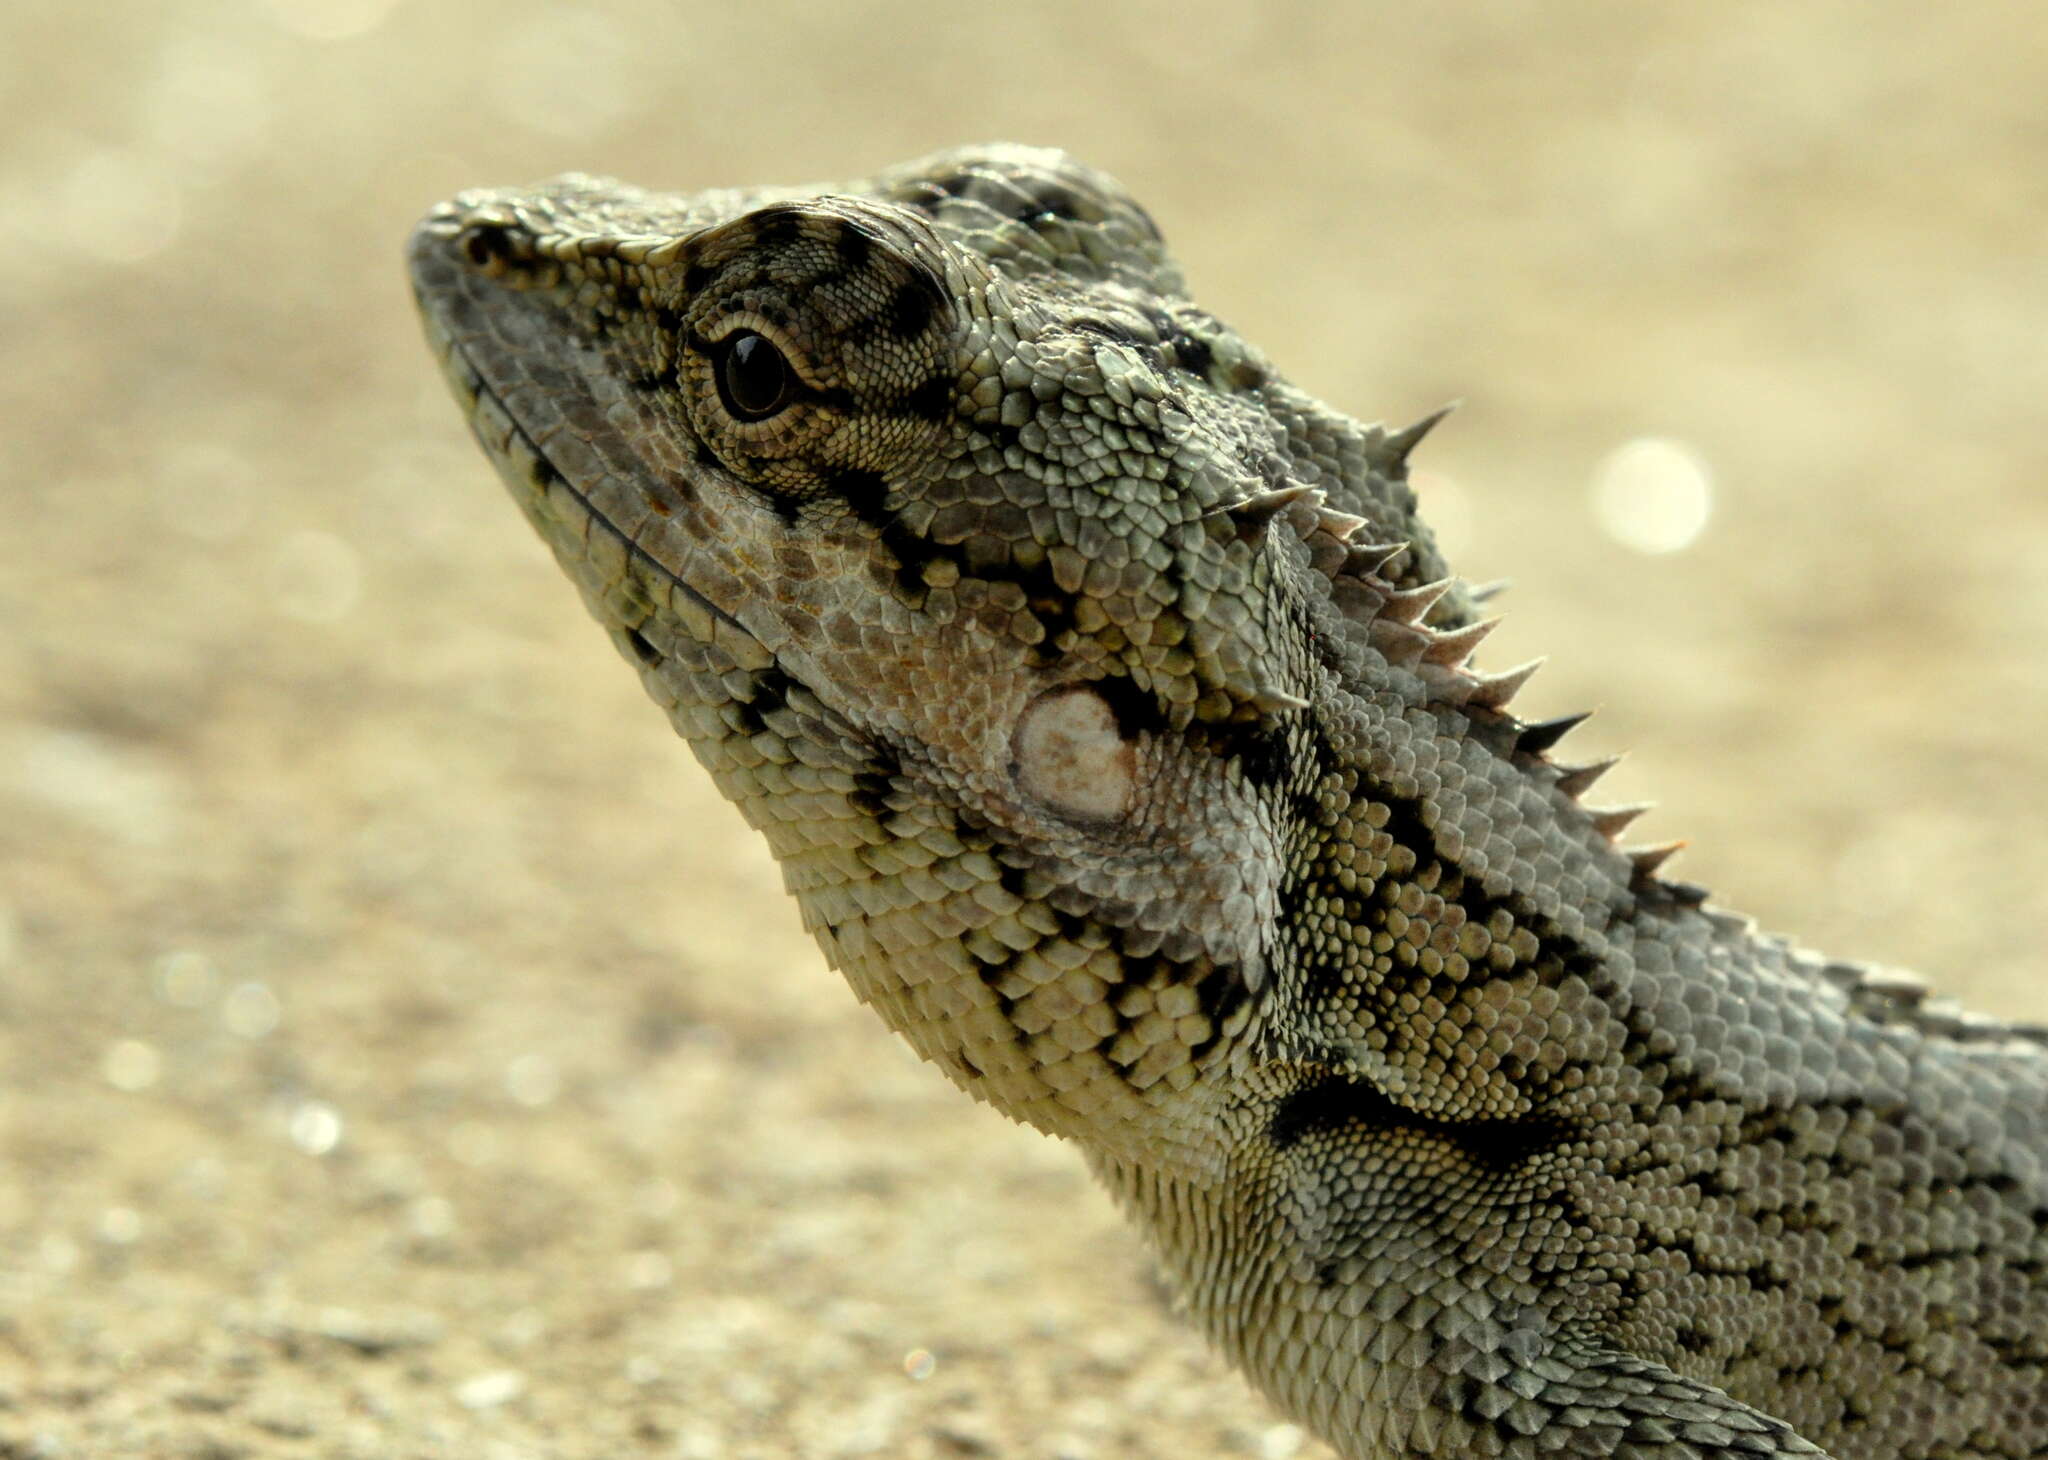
131, 1065
1653, 494
316, 1128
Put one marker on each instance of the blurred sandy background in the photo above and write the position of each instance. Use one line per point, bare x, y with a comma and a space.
402, 1050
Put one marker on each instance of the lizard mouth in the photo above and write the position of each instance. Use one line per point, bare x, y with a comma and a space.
547, 495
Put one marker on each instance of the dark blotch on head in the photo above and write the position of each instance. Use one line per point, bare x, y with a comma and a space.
862, 490
910, 311
1136, 710
865, 494
1048, 202
853, 248
697, 278
930, 400
777, 227
1261, 750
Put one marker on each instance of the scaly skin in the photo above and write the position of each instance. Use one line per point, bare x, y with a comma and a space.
1040, 628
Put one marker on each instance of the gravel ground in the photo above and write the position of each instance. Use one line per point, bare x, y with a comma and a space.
403, 1052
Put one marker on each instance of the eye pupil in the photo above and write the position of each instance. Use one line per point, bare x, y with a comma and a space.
753, 377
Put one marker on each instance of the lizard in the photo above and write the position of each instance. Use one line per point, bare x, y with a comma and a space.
1114, 719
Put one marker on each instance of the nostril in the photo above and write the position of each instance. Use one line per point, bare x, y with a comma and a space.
487, 245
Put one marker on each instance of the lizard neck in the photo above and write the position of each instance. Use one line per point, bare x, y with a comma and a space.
1230, 1251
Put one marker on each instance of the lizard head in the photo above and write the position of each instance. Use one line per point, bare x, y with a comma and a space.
995, 581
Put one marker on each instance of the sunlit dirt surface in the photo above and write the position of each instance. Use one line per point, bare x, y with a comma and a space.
403, 1052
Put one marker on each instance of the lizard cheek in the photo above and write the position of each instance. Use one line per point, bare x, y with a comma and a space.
1066, 752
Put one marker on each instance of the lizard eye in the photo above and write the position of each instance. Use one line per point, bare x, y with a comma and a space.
753, 377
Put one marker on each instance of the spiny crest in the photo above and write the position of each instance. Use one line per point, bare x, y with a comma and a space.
1894, 995
1576, 780
1538, 736
1255, 514
1395, 621
1388, 451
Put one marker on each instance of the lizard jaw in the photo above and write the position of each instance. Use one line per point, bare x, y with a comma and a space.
634, 567
544, 493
